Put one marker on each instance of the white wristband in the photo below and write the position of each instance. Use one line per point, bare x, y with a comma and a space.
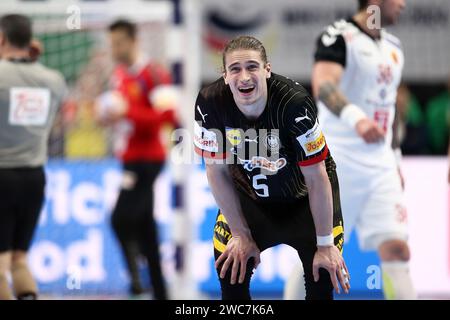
351, 114
325, 240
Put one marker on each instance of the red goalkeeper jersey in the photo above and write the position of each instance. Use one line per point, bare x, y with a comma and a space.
143, 142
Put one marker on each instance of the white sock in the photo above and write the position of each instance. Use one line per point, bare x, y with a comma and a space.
397, 282
294, 288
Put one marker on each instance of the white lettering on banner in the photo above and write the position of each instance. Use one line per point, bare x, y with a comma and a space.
46, 261
86, 204
313, 141
87, 255
205, 139
50, 263
29, 106
57, 197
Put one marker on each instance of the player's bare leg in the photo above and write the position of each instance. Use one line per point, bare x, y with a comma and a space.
5, 263
23, 282
397, 282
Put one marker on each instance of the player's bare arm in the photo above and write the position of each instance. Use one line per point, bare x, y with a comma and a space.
321, 202
325, 84
241, 246
326, 77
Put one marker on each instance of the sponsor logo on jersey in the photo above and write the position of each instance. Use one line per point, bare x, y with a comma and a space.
263, 163
313, 141
205, 139
233, 136
29, 106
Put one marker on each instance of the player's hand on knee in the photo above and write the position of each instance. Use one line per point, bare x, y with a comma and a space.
369, 130
330, 259
239, 249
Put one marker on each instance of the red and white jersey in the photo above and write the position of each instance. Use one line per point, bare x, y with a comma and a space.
139, 136
372, 74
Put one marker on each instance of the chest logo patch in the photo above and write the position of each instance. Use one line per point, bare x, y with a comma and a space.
272, 142
233, 136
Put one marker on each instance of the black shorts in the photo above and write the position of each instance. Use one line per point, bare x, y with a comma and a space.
276, 223
282, 223
21, 199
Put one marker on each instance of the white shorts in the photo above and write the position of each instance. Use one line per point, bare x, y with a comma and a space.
372, 202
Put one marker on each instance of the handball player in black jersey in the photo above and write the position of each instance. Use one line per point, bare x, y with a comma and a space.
270, 172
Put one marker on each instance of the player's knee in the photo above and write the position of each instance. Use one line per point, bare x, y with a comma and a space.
320, 290
394, 250
237, 291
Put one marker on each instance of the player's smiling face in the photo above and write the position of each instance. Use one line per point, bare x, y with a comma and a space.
246, 74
